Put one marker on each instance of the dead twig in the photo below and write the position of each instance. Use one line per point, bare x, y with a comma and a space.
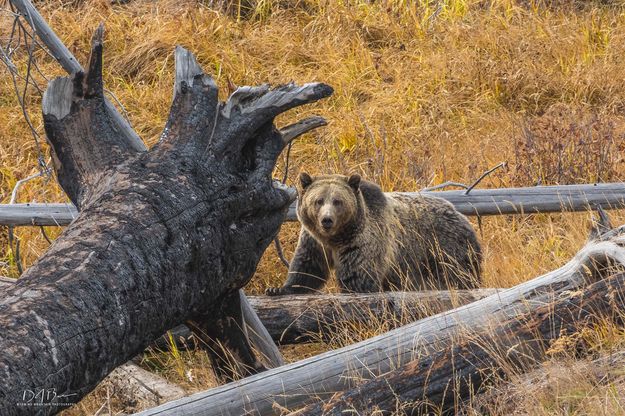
485, 174
445, 185
281, 253
43, 233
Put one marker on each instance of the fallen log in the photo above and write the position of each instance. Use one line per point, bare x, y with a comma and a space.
129, 382
537, 199
318, 378
163, 236
438, 383
132, 384
6, 282
297, 319
258, 335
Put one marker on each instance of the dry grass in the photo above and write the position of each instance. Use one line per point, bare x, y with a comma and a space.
566, 383
423, 95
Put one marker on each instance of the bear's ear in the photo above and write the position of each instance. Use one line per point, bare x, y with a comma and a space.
305, 180
354, 182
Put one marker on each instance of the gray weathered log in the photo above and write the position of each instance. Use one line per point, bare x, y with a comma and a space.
37, 214
319, 377
296, 319
538, 199
259, 336
6, 282
164, 236
439, 382
132, 384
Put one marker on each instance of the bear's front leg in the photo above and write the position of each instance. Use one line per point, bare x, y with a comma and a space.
309, 268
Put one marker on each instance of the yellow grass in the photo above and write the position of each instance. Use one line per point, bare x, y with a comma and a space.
423, 94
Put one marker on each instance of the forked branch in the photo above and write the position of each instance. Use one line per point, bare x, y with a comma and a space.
258, 106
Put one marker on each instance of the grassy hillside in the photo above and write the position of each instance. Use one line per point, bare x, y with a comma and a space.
425, 92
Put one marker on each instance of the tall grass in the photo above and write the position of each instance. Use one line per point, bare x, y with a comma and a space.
426, 92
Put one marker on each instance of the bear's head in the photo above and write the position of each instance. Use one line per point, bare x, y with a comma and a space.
329, 204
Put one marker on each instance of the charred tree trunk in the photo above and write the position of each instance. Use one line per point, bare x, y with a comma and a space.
439, 382
259, 336
163, 236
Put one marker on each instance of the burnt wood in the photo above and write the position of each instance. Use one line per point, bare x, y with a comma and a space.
162, 237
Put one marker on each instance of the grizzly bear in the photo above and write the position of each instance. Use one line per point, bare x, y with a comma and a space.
376, 242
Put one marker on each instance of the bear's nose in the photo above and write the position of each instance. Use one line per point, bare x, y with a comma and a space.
327, 223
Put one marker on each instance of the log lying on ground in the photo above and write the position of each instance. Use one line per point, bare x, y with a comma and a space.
296, 319
37, 214
538, 199
6, 282
132, 384
67, 212
440, 382
319, 377
164, 236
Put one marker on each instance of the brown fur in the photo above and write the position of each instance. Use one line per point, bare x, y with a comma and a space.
376, 242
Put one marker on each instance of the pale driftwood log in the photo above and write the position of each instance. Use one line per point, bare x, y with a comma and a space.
186, 70
296, 319
259, 336
440, 382
6, 282
319, 377
132, 384
164, 236
538, 199
37, 214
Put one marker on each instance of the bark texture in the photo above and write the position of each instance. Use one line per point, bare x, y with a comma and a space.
162, 236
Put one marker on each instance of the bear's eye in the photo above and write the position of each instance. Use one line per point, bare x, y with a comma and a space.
319, 201
337, 202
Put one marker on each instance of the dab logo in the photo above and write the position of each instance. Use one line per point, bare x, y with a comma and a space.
45, 397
